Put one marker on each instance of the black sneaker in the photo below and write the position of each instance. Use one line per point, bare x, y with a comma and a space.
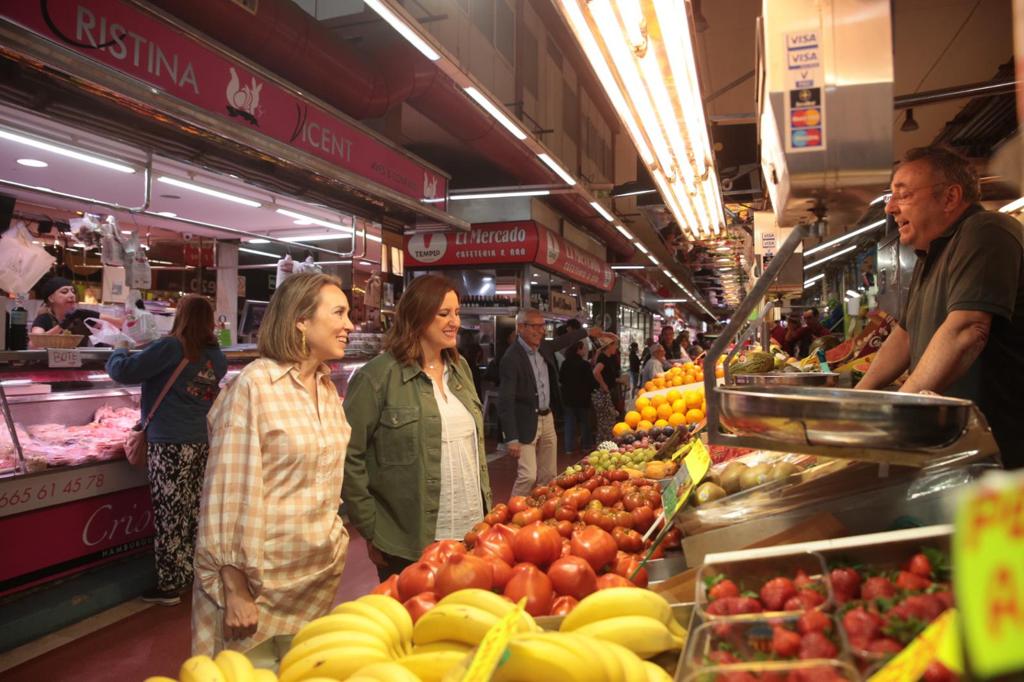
161, 597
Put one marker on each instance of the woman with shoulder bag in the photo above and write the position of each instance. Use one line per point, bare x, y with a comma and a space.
185, 369
416, 469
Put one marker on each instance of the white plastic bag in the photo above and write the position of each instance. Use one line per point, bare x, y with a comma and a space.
111, 249
140, 327
22, 263
137, 272
308, 265
106, 333
285, 267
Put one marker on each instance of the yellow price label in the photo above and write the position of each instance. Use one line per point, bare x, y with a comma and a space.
697, 463
492, 647
939, 641
988, 561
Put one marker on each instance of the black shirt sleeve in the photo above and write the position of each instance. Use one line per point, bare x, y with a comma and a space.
985, 269
45, 320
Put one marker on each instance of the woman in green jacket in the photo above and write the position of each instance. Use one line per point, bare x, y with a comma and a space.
416, 467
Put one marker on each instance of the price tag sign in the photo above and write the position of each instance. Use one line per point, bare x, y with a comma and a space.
988, 561
63, 357
695, 467
940, 642
491, 650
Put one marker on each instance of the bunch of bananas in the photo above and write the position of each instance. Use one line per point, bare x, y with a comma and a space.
228, 666
637, 619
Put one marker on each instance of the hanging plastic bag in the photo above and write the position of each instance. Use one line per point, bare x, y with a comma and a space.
111, 249
137, 272
86, 230
308, 265
22, 263
285, 267
106, 333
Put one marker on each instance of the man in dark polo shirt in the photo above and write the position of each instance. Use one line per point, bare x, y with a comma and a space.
961, 333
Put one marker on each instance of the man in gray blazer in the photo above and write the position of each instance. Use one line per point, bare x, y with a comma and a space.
526, 395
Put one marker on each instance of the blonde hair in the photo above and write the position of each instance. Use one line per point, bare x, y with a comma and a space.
296, 299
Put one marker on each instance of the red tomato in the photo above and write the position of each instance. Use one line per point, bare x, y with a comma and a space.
440, 551
538, 544
564, 528
618, 475
573, 576
547, 510
633, 499
606, 521
595, 546
531, 582
495, 542
502, 511
388, 587
563, 605
501, 571
419, 604
673, 538
592, 484
539, 491
612, 580
628, 540
525, 518
577, 496
416, 578
566, 511
517, 504
626, 565
608, 495
642, 517
463, 571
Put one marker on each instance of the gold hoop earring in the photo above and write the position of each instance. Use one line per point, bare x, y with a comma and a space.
305, 349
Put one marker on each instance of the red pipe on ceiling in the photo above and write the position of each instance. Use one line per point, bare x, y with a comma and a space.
284, 39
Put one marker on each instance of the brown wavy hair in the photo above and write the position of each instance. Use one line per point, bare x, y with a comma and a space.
416, 310
193, 325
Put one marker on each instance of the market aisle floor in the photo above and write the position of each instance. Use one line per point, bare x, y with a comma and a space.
156, 640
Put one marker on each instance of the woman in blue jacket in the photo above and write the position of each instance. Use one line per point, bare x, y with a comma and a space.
177, 436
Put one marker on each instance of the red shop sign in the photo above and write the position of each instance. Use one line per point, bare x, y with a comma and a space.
144, 46
566, 258
44, 544
491, 243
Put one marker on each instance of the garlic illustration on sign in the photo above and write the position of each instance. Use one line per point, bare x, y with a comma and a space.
243, 100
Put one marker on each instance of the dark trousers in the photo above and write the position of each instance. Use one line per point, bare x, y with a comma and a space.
395, 564
577, 418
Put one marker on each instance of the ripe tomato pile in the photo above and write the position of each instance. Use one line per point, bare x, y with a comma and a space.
583, 532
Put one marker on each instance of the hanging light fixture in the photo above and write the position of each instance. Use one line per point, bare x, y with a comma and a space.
909, 124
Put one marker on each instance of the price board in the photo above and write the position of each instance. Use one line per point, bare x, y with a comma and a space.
988, 562
63, 357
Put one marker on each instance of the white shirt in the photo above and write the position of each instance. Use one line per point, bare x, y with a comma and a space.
461, 505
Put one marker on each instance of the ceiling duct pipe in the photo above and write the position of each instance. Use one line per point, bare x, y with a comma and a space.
284, 39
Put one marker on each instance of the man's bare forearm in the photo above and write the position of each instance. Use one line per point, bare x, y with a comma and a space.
956, 345
893, 359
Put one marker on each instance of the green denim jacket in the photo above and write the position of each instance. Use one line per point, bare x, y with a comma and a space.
393, 464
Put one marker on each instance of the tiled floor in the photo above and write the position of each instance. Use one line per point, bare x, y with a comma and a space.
155, 641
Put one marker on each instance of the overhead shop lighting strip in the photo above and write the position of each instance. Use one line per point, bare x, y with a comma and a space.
643, 55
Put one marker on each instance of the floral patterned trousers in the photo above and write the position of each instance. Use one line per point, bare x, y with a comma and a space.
606, 413
176, 472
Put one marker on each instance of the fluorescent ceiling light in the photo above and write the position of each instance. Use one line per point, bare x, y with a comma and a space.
208, 191
628, 267
63, 151
812, 280
259, 241
374, 238
852, 294
126, 231
259, 253
404, 29
828, 258
495, 113
559, 171
167, 214
33, 163
642, 248
302, 222
624, 232
848, 235
879, 198
312, 238
601, 209
1013, 206
500, 195
633, 194
315, 221
654, 260
672, 300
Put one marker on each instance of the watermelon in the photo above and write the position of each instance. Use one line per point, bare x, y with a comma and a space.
840, 353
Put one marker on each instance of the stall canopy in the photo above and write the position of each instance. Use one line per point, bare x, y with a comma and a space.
523, 241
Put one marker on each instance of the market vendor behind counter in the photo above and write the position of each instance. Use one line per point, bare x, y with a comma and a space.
61, 313
961, 333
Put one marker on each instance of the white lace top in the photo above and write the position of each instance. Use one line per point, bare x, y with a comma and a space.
460, 506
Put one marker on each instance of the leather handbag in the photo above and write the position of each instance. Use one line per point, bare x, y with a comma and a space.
136, 445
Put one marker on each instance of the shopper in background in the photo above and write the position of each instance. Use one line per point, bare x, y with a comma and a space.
606, 396
527, 393
473, 352
634, 365
961, 332
667, 339
60, 311
577, 378
682, 346
271, 546
655, 366
177, 439
646, 355
416, 469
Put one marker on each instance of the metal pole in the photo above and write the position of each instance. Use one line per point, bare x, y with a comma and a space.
986, 89
739, 317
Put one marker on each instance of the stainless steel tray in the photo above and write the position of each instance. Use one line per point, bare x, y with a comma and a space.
843, 417
829, 379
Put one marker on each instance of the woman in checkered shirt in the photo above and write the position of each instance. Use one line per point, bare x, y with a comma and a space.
271, 546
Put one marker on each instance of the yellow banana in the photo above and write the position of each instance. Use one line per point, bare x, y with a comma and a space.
543, 657
608, 663
235, 666
159, 678
632, 665
385, 672
381, 618
339, 621
200, 669
490, 602
617, 601
337, 664
442, 645
333, 640
655, 673
642, 635
455, 622
394, 610
264, 675
431, 667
